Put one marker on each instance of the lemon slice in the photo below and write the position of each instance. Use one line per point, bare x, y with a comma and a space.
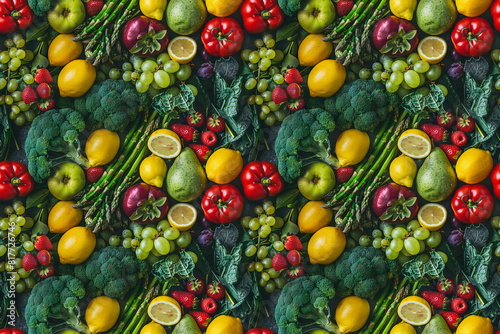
182, 216
432, 49
182, 49
165, 311
432, 216
415, 310
165, 143
415, 143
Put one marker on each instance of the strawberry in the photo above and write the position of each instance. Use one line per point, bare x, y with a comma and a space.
446, 119
466, 123
216, 123
44, 90
94, 174
293, 257
459, 138
459, 305
446, 286
186, 299
296, 105
202, 318
209, 138
196, 286
44, 257
29, 95
452, 151
293, 75
94, 7
45, 105
293, 242
296, 272
196, 119
452, 319
42, 242
466, 290
209, 305
344, 7
216, 290
294, 90
279, 262
186, 132
436, 132
46, 272
436, 299
42, 75
29, 262
279, 95
344, 174
202, 151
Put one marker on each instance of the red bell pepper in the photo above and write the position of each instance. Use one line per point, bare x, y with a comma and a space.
222, 204
495, 14
260, 331
472, 204
14, 15
261, 179
472, 37
261, 15
11, 331
15, 180
222, 37
495, 180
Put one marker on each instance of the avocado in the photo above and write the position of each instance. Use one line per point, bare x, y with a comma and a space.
435, 17
186, 179
436, 179
185, 17
437, 325
187, 325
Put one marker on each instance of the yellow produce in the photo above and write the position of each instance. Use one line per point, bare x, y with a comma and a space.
403, 170
76, 245
326, 245
326, 78
165, 143
403, 8
101, 147
415, 143
351, 147
182, 216
165, 310
62, 217
472, 8
225, 324
475, 324
222, 8
312, 217
432, 49
351, 314
153, 8
153, 328
414, 310
224, 165
403, 328
153, 171
474, 165
182, 49
432, 216
312, 50
76, 78
62, 50
101, 314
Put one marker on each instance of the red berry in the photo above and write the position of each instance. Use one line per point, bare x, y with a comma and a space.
216, 290
279, 95
94, 7
209, 138
294, 90
279, 262
94, 174
294, 257
459, 305
293, 242
459, 138
344, 7
293, 75
209, 305
216, 123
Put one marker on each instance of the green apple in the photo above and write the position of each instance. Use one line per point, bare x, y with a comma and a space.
316, 180
68, 331
66, 180
315, 15
65, 15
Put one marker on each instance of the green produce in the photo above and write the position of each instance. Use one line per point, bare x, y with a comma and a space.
437, 325
290, 7
185, 17
186, 179
435, 17
66, 181
315, 15
316, 180
436, 178
187, 325
65, 15
40, 7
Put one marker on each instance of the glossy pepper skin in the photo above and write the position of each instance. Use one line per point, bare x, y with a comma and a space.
472, 37
15, 180
14, 15
222, 37
261, 179
260, 331
495, 180
472, 204
261, 15
495, 14
11, 331
222, 204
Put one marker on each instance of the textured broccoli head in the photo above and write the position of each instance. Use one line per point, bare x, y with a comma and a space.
40, 7
289, 7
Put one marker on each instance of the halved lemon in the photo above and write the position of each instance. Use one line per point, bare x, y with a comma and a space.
414, 310
182, 49
165, 310
182, 216
415, 143
432, 49
432, 216
165, 143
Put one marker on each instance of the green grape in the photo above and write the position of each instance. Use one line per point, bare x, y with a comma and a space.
402, 259
30, 282
259, 99
434, 239
254, 57
278, 245
279, 55
126, 66
23, 273
262, 85
162, 78
422, 246
265, 230
495, 222
254, 224
149, 232
279, 79
12, 85
270, 54
376, 233
391, 254
184, 239
385, 75
253, 233
422, 79
17, 96
421, 66
3, 250
364, 74
377, 243
262, 52
444, 90
264, 64
413, 58
412, 246
251, 266
29, 222
399, 66
24, 237
412, 78
396, 78
259, 266
377, 76
270, 120
146, 78
405, 85
495, 55
146, 245
29, 55
100, 243
386, 62
267, 263
149, 66
114, 240
162, 245
399, 232
270, 43
250, 251
4, 57
127, 243
364, 240
245, 54
443, 255
184, 72
279, 222
396, 245
171, 233
140, 87
140, 254
497, 251
413, 225
262, 252
20, 286
434, 72
421, 233
18, 263
350, 243
114, 74
258, 43
4, 224
126, 233
193, 256
163, 58
356, 67
405, 252
28, 79
245, 221
265, 276
391, 88
250, 84
387, 231
270, 221
267, 96
253, 67
350, 76
171, 66
424, 91
376, 66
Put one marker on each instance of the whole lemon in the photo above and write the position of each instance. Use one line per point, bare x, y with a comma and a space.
153, 328
225, 324
475, 324
101, 314
101, 147
403, 328
62, 50
351, 314
351, 147
403, 9
153, 9
403, 170
76, 78
326, 78
312, 217
153, 170
474, 165
224, 165
326, 245
313, 49
76, 245
62, 217
222, 8
472, 8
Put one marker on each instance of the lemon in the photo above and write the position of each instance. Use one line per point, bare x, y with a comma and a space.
165, 310
101, 314
351, 147
432, 216
475, 324
153, 328
432, 49
474, 165
153, 8
101, 147
165, 144
76, 245
403, 8
403, 170
326, 78
312, 216
153, 171
415, 143
76, 78
182, 216
351, 314
326, 245
62, 50
403, 328
222, 8
414, 310
225, 324
62, 217
224, 165
182, 49
312, 49
472, 8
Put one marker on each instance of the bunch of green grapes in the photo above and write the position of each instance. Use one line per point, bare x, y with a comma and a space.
264, 61
14, 75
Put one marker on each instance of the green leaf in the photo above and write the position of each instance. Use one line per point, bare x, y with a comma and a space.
287, 197
169, 105
287, 30
167, 270
416, 269
37, 197
202, 96
417, 103
36, 30
203, 265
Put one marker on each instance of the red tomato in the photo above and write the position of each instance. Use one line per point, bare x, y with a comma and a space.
222, 204
222, 37
472, 203
260, 331
261, 15
11, 331
261, 179
472, 37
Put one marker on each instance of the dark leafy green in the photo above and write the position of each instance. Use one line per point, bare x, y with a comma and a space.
169, 272
227, 68
6, 134
416, 269
37, 198
170, 105
287, 31
419, 105
38, 31
287, 198
477, 68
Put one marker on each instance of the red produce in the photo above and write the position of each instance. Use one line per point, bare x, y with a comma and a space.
15, 180
495, 180
11, 331
261, 179
145, 37
495, 14
395, 204
395, 37
222, 37
15, 15
261, 15
466, 290
260, 331
472, 204
145, 204
222, 204
472, 36
216, 290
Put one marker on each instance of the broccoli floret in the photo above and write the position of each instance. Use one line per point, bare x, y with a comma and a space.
53, 305
362, 270
363, 104
303, 305
305, 131
290, 7
40, 7
52, 138
112, 104
112, 271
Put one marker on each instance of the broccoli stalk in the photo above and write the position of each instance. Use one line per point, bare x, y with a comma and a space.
321, 316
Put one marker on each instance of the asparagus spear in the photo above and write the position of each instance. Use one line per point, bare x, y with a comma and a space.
384, 299
392, 320
402, 292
